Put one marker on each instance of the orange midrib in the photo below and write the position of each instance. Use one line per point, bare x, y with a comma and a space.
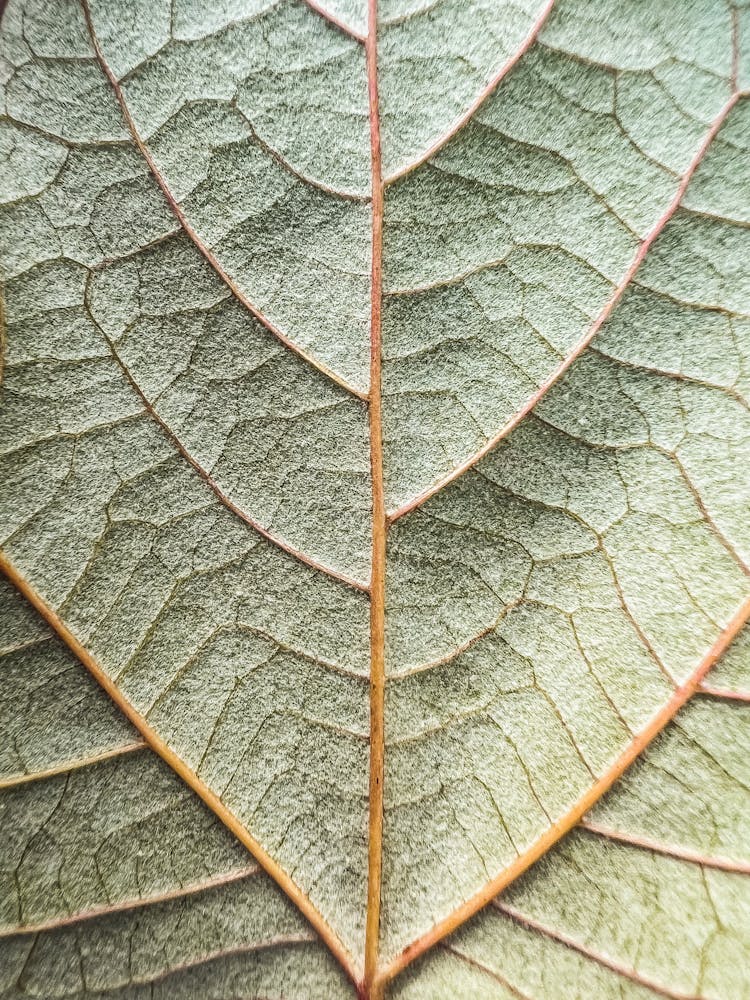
379, 530
375, 977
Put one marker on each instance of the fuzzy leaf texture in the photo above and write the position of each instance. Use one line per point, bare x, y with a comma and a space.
375, 499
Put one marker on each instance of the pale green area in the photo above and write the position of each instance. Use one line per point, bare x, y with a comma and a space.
720, 185
495, 958
281, 441
691, 790
433, 61
245, 660
615, 510
242, 404
733, 671
258, 122
540, 609
96, 835
270, 952
527, 220
351, 13
260, 968
678, 925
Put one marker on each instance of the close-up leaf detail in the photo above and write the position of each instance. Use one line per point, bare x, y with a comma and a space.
374, 499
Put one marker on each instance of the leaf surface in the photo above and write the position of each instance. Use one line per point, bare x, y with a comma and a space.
676, 823
649, 898
374, 418
92, 904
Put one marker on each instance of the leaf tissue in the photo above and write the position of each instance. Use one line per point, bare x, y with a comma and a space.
375, 499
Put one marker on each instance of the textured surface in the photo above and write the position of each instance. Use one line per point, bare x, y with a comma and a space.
51, 713
90, 903
198, 354
653, 899
663, 862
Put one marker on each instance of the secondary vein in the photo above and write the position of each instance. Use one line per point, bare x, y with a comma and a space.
592, 331
191, 779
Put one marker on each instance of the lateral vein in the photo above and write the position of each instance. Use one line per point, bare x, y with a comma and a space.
575, 814
219, 492
667, 850
211, 799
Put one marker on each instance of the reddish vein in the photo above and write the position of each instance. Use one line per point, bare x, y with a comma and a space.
72, 765
584, 342
379, 529
459, 123
212, 800
727, 693
486, 971
570, 942
374, 978
139, 903
668, 850
216, 954
219, 492
192, 233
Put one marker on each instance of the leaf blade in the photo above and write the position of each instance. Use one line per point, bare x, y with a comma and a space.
606, 506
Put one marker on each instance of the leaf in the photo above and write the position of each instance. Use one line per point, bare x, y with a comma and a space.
374, 423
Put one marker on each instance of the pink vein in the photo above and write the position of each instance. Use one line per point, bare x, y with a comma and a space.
584, 342
679, 853
191, 232
336, 21
219, 492
141, 902
570, 942
727, 693
486, 970
459, 123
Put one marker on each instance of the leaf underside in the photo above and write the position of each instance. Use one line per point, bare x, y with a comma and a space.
230, 410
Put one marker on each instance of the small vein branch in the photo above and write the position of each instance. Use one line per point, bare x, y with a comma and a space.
192, 233
220, 494
570, 942
727, 693
669, 851
585, 803
707, 517
487, 971
592, 331
72, 765
468, 114
139, 903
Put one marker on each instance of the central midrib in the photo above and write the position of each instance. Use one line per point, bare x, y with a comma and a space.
379, 531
